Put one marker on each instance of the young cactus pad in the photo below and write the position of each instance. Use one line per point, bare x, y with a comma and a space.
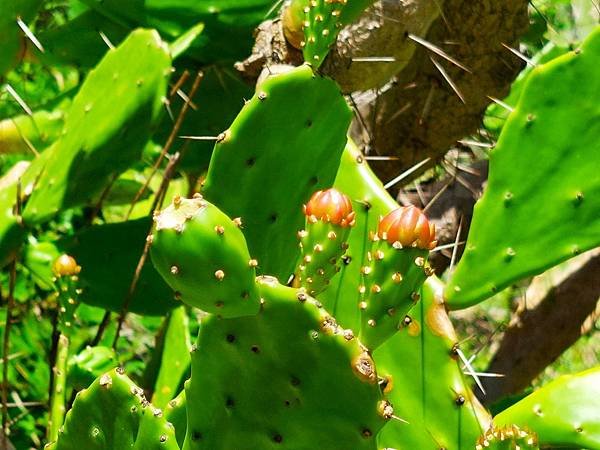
112, 414
202, 254
107, 126
285, 144
396, 269
426, 383
329, 219
563, 413
288, 377
542, 202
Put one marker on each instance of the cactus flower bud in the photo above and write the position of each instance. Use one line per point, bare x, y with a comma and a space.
65, 266
408, 226
330, 206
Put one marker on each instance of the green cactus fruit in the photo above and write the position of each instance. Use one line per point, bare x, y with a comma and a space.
111, 252
562, 413
113, 414
107, 126
541, 203
507, 438
176, 414
173, 357
202, 254
426, 383
84, 367
66, 272
396, 269
305, 382
329, 218
285, 121
370, 201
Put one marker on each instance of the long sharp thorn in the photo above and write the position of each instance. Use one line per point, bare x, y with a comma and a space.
449, 80
520, 55
438, 51
272, 8
186, 99
18, 99
406, 173
427, 104
200, 138
27, 31
445, 246
455, 249
381, 158
374, 59
475, 143
437, 195
470, 370
400, 419
106, 40
399, 112
487, 374
501, 103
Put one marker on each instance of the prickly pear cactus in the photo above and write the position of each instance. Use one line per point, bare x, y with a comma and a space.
113, 414
202, 254
507, 438
285, 121
562, 413
304, 380
104, 134
541, 203
329, 219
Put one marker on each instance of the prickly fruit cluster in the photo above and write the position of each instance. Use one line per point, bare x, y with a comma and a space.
202, 254
395, 270
329, 217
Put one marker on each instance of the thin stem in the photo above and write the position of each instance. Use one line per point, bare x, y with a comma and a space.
57, 396
5, 349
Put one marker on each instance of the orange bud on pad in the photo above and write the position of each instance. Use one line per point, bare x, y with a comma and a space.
330, 206
408, 226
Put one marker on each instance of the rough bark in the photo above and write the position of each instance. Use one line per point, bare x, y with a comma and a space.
433, 116
560, 307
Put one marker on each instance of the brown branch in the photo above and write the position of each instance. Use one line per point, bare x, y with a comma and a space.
548, 325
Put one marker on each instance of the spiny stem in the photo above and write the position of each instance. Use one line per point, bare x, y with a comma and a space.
57, 396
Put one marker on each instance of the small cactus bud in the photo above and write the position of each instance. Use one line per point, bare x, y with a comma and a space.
331, 206
65, 266
409, 227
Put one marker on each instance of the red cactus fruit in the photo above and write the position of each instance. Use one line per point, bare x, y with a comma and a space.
408, 226
330, 206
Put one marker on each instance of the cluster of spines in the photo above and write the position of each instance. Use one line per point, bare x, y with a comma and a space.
507, 438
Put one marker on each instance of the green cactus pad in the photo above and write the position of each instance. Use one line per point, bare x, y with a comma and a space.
542, 202
285, 144
507, 438
562, 413
107, 126
321, 21
285, 378
202, 254
428, 387
392, 278
323, 245
112, 414
370, 201
111, 252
